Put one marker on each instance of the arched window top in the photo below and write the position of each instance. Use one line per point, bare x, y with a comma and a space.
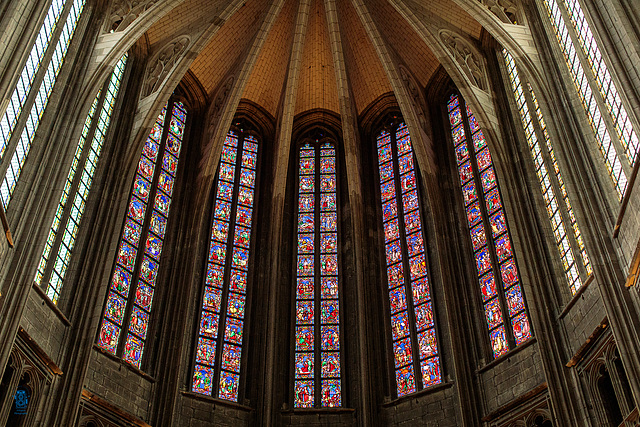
413, 328
219, 355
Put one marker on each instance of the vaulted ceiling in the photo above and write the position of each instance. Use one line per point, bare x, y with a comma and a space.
317, 87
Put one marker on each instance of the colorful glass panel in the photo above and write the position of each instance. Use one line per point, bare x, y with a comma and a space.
317, 205
484, 209
235, 192
395, 152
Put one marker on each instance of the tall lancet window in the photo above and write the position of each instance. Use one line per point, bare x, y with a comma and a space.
596, 87
413, 331
496, 266
218, 358
125, 322
20, 121
317, 364
59, 245
552, 184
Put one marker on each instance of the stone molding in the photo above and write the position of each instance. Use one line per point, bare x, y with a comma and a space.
124, 12
162, 63
467, 57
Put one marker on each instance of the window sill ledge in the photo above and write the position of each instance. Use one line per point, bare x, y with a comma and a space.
506, 356
123, 363
215, 401
46, 300
319, 411
418, 394
576, 297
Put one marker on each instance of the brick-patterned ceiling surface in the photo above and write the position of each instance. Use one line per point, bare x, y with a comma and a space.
226, 52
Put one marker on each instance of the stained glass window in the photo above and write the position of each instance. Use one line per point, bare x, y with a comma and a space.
551, 184
597, 90
415, 347
85, 159
317, 364
16, 141
133, 281
498, 274
221, 329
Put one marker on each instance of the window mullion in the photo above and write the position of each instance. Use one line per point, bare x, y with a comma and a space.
489, 244
26, 126
567, 223
75, 183
144, 234
594, 88
405, 262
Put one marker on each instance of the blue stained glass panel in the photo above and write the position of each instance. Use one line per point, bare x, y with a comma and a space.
131, 232
424, 316
141, 188
405, 163
391, 230
127, 255
229, 155
328, 201
488, 286
220, 231
240, 258
227, 172
209, 324
145, 169
215, 275
229, 386
402, 352
249, 159
398, 300
133, 350
231, 355
162, 203
247, 177
235, 305
169, 163
415, 244
389, 210
499, 343
233, 331
303, 394
206, 352
212, 299
515, 302
202, 380
108, 338
328, 242
238, 281
405, 381
430, 372
144, 296
417, 267
328, 287
158, 224
427, 344
331, 396
121, 281
304, 338
329, 311
115, 308
304, 312
225, 191
242, 237
305, 243
136, 209
138, 322
245, 196
386, 172
149, 270
395, 275
330, 365
330, 337
420, 290
304, 365
521, 328
305, 288
493, 313
399, 325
